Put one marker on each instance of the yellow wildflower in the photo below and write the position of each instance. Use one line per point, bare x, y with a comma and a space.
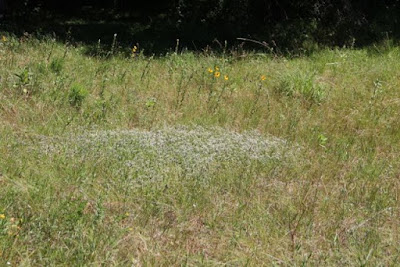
2, 216
263, 77
217, 74
134, 50
210, 70
3, 38
226, 77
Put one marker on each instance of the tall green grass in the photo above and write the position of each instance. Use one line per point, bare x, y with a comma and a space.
156, 161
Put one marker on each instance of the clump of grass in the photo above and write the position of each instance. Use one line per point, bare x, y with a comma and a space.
303, 85
77, 94
57, 65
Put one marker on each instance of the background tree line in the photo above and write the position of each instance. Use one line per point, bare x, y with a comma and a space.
281, 23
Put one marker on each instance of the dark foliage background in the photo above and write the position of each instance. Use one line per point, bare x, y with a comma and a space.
282, 24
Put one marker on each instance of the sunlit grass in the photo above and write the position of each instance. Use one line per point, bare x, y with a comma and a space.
198, 159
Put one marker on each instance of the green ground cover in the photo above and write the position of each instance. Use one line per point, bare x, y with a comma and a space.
198, 159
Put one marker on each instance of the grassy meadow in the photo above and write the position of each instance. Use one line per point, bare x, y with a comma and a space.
198, 159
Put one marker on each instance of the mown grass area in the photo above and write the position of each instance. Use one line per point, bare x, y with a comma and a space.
198, 159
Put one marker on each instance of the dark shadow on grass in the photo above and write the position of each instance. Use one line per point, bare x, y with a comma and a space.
102, 33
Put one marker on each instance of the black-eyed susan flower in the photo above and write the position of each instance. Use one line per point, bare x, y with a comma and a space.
263, 77
217, 74
226, 77
2, 216
216, 69
210, 70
